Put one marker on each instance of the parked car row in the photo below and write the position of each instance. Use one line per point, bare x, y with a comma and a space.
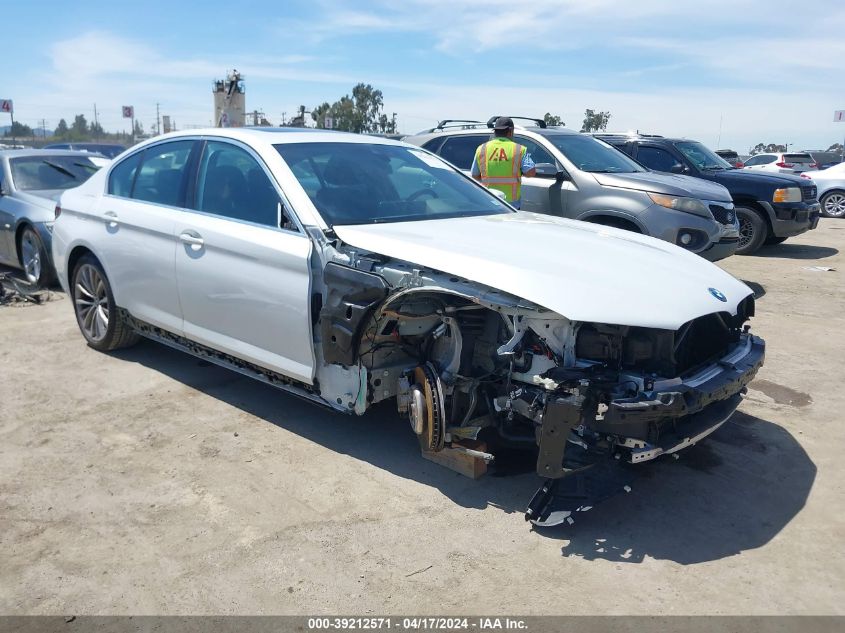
653, 185
770, 207
350, 270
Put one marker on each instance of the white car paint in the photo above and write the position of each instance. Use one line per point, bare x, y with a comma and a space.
579, 270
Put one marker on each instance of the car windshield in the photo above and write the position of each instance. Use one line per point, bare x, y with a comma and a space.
363, 183
592, 155
38, 173
702, 157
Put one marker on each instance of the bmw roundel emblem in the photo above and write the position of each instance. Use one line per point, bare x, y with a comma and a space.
717, 294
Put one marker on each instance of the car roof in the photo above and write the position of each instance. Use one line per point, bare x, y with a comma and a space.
274, 136
486, 131
18, 153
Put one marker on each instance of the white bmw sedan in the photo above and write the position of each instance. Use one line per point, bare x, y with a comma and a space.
350, 269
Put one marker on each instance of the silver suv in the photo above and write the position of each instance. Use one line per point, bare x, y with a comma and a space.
583, 178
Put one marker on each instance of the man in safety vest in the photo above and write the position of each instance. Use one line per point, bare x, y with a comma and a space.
500, 163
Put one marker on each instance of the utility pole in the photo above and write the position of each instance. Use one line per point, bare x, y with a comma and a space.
96, 123
44, 128
158, 121
393, 124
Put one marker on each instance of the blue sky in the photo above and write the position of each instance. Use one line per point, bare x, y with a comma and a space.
768, 70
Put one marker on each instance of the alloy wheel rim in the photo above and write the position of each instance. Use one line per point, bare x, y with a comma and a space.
835, 205
746, 232
92, 302
31, 255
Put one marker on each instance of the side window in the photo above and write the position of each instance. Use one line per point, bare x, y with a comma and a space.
163, 175
656, 158
122, 176
765, 160
460, 150
754, 160
538, 154
232, 184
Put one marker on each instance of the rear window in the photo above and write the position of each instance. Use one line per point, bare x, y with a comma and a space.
798, 158
45, 173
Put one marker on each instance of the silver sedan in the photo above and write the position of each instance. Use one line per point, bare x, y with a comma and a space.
31, 182
831, 186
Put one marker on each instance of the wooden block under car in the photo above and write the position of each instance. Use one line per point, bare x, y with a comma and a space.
466, 465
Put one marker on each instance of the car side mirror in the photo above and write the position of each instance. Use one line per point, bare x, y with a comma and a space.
677, 168
549, 170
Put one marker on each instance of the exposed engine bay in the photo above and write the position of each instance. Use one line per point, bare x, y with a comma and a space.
468, 362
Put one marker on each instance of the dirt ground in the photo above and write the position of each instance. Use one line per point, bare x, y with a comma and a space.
147, 482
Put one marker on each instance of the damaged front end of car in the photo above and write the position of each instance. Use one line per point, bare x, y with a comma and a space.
468, 362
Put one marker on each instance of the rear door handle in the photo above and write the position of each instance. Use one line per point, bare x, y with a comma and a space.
195, 241
111, 219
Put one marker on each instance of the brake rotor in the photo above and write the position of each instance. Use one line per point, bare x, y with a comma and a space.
432, 416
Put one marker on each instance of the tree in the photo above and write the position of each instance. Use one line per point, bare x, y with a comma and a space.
97, 130
552, 119
360, 113
836, 147
19, 130
139, 129
79, 128
61, 129
387, 125
595, 121
762, 148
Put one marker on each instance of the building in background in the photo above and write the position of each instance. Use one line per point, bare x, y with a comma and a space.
229, 100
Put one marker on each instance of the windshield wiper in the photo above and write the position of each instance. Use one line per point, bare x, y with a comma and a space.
59, 168
84, 166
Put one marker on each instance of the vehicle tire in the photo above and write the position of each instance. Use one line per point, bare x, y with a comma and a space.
34, 258
99, 320
833, 204
752, 230
773, 240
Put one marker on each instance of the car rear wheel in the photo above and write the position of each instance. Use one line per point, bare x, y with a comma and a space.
99, 320
752, 230
33, 258
833, 204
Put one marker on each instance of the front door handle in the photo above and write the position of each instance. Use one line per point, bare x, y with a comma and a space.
111, 219
195, 241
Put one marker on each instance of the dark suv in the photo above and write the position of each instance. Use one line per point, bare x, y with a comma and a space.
771, 207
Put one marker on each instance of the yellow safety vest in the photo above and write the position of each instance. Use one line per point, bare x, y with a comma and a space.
500, 164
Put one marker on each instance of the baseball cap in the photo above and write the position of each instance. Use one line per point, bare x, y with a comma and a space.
503, 123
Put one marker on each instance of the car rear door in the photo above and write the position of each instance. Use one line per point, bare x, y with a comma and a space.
146, 193
242, 265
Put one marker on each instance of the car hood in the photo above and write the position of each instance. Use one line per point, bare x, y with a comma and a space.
669, 184
582, 271
731, 177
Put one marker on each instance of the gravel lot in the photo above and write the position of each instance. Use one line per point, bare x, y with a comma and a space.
147, 482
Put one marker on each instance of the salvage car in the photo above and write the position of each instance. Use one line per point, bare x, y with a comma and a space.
30, 183
351, 270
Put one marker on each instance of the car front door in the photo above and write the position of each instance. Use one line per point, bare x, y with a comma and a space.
542, 193
242, 265
146, 192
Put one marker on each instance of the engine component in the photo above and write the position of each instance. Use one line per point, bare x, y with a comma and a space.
427, 412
